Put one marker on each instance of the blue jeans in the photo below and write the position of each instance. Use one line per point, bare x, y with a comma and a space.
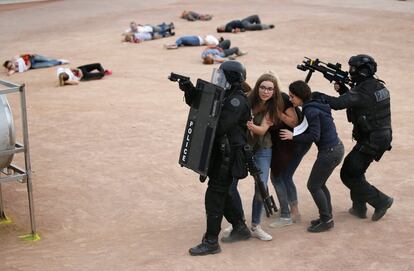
263, 158
188, 41
38, 61
283, 183
162, 29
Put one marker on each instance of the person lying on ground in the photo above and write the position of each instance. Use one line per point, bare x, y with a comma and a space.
220, 53
26, 62
140, 37
86, 72
194, 41
194, 16
250, 23
162, 29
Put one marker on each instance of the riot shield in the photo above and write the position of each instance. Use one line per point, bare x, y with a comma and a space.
201, 127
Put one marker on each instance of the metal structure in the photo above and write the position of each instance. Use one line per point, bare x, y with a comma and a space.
10, 172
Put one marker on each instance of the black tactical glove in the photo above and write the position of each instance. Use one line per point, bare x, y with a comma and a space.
185, 85
341, 88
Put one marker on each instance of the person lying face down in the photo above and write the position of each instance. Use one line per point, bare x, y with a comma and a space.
194, 16
87, 72
251, 23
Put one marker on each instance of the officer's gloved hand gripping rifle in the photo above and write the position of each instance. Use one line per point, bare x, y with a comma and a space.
268, 201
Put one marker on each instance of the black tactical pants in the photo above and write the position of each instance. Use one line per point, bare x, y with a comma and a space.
219, 203
353, 176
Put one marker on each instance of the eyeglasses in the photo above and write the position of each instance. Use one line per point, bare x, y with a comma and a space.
268, 89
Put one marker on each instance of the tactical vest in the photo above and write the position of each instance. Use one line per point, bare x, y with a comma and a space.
227, 153
376, 112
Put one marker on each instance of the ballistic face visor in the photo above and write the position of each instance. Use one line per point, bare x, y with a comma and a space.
219, 79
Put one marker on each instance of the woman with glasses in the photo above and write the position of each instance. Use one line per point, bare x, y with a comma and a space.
265, 101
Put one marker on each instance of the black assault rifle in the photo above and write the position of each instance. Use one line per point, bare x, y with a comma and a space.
268, 201
330, 71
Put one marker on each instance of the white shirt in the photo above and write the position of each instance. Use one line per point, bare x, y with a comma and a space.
141, 29
21, 66
145, 29
211, 40
72, 77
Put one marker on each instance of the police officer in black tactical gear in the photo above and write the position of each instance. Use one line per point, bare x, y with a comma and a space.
227, 149
368, 108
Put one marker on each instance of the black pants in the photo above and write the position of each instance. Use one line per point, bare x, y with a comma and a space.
353, 176
219, 203
225, 45
323, 167
253, 23
92, 71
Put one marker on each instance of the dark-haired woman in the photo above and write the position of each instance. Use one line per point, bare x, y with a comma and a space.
322, 131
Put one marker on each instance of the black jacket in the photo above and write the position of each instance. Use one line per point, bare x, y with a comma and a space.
321, 129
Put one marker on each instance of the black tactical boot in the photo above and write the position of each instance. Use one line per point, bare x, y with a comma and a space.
358, 209
380, 212
358, 213
239, 233
207, 246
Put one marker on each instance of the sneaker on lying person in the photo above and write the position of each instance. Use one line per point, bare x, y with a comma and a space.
241, 53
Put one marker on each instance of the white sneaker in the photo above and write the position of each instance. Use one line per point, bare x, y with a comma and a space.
227, 231
259, 233
281, 222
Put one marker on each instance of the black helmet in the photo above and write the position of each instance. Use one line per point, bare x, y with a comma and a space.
362, 66
234, 71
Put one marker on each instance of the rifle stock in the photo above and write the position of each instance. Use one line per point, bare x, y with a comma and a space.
268, 201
